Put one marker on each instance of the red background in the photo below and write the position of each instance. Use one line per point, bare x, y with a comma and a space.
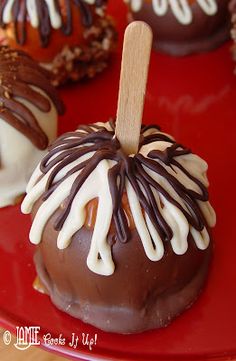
193, 98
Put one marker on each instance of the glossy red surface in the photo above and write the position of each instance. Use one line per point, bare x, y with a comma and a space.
193, 98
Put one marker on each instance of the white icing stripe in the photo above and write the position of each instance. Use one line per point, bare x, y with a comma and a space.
208, 6
201, 239
34, 178
54, 16
99, 259
142, 229
182, 11
91, 2
160, 7
47, 209
208, 212
136, 4
179, 225
180, 8
7, 13
32, 11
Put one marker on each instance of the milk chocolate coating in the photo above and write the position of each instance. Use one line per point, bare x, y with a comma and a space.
204, 33
140, 295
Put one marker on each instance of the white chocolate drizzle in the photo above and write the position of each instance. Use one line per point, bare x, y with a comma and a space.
180, 8
96, 186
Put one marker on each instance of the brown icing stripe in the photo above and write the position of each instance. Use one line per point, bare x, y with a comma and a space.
18, 73
105, 146
64, 9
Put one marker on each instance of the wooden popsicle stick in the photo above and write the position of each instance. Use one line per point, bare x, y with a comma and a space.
133, 80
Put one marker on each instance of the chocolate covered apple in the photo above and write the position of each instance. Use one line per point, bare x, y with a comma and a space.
183, 27
73, 39
123, 241
121, 214
29, 108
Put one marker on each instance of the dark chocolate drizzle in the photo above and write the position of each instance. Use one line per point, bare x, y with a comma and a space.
20, 17
104, 144
18, 73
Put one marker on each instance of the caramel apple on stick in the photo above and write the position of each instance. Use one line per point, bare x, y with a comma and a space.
121, 214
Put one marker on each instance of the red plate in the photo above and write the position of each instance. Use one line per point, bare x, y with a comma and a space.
194, 98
